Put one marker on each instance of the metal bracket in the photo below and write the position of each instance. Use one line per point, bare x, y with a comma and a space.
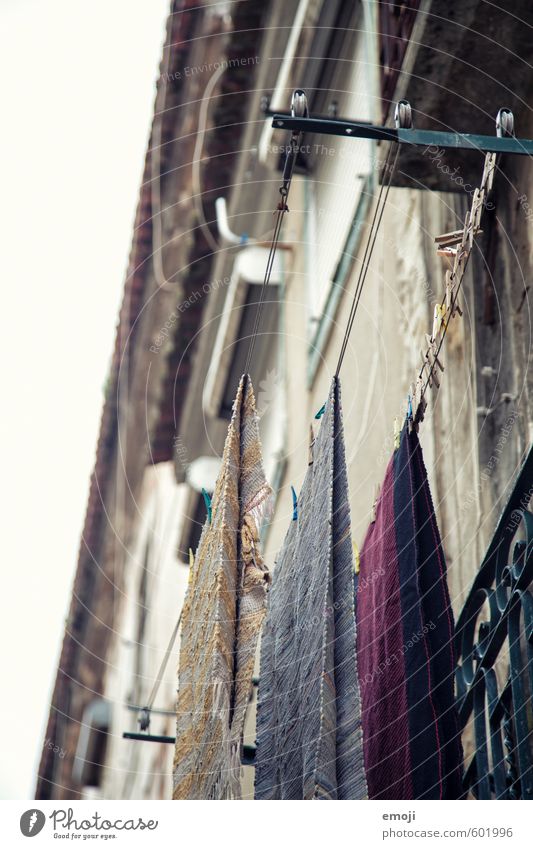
248, 752
503, 142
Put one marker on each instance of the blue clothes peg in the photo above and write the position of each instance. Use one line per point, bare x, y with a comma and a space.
207, 499
294, 504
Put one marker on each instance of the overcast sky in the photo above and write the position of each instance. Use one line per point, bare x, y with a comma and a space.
78, 85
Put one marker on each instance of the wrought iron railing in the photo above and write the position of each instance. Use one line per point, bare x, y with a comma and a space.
494, 640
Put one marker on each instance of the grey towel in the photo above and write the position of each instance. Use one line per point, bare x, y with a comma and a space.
309, 739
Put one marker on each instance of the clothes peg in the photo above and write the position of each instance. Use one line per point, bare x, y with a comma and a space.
191, 564
418, 393
439, 313
449, 253
449, 239
426, 364
410, 401
451, 303
375, 504
397, 433
311, 445
460, 260
479, 210
488, 171
432, 359
320, 412
419, 403
356, 558
448, 296
455, 308
207, 499
437, 321
410, 416
294, 504
473, 218
480, 201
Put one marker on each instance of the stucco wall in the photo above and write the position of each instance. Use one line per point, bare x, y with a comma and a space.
136, 770
405, 279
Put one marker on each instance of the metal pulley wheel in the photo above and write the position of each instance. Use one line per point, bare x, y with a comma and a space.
299, 104
504, 123
403, 115
144, 719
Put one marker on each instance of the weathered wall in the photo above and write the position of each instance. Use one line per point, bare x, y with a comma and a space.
143, 770
474, 416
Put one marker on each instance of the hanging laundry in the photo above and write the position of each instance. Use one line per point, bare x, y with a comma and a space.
309, 742
405, 642
222, 617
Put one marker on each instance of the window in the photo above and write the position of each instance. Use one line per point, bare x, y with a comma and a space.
141, 610
193, 525
92, 744
232, 341
231, 347
265, 342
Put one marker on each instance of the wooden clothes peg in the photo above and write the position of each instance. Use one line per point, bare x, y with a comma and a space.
439, 314
356, 558
430, 357
418, 404
448, 240
311, 446
373, 514
397, 433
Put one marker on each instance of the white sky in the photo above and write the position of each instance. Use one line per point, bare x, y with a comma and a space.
77, 88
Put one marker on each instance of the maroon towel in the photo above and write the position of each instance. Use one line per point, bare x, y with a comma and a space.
405, 648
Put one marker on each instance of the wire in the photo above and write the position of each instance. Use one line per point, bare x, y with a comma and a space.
282, 208
453, 303
463, 252
369, 248
164, 662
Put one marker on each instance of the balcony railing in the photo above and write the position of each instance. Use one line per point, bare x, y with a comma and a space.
494, 639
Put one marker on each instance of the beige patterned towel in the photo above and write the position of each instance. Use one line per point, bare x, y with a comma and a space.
222, 617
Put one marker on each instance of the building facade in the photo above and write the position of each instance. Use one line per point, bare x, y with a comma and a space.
190, 303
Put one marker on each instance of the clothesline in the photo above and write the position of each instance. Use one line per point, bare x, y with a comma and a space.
457, 246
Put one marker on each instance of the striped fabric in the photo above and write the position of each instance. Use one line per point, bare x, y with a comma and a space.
309, 743
405, 647
222, 617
